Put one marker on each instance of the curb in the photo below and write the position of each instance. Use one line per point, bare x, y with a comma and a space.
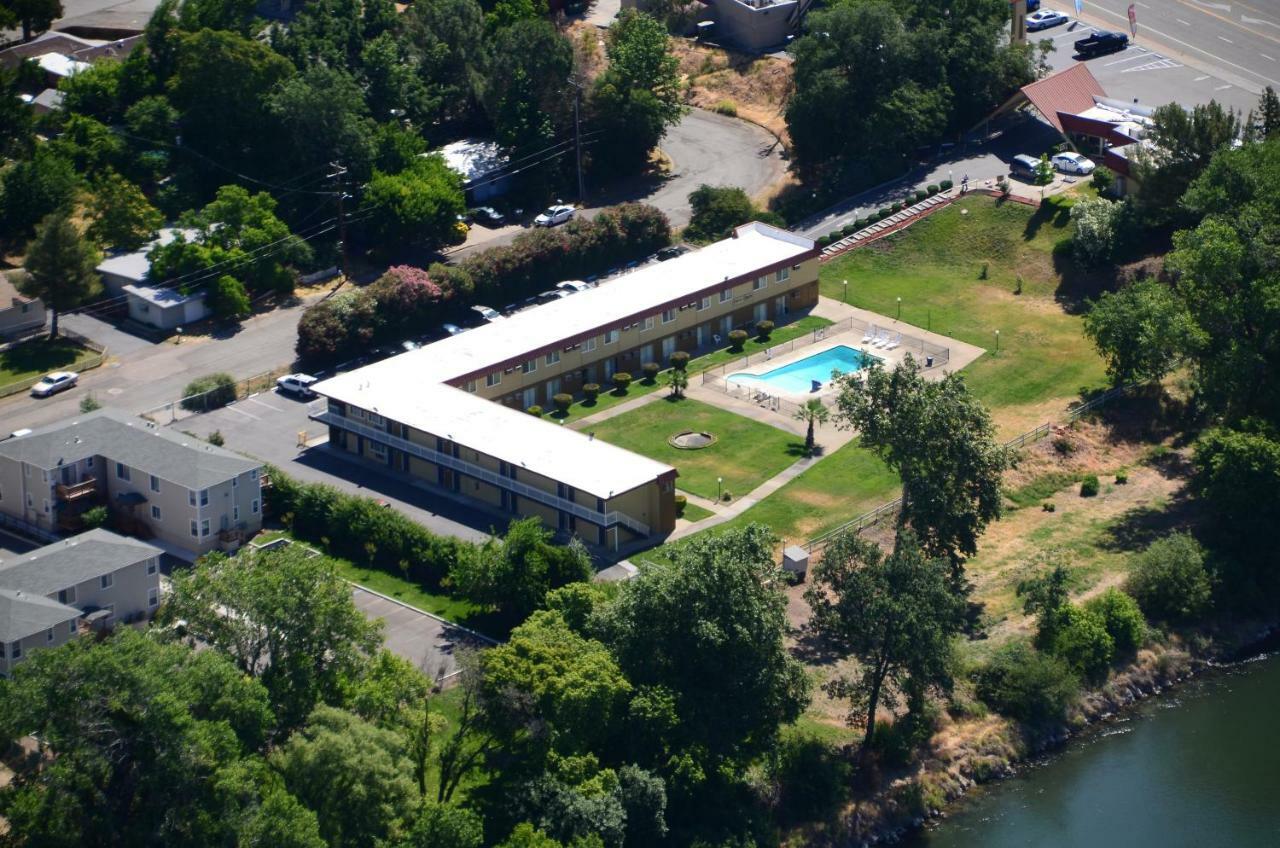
430, 615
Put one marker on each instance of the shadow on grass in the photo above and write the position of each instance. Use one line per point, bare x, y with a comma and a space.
1079, 284
40, 355
1135, 529
798, 449
1050, 212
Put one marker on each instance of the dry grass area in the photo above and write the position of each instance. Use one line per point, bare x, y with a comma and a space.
754, 88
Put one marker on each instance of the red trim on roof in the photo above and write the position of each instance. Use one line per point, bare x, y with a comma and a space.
1095, 127
1071, 91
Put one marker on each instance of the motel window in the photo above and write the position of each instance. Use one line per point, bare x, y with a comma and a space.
553, 357
153, 597
88, 463
195, 529
471, 386
530, 366
784, 274
48, 635
648, 323
155, 483
67, 596
235, 512
235, 482
155, 512
253, 475
106, 581
610, 336
122, 471
668, 315
493, 379
375, 419
203, 496
356, 413
760, 283
726, 295
589, 345
15, 650
254, 506
705, 303
152, 566
204, 527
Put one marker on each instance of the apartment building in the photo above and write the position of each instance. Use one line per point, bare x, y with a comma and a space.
44, 593
450, 414
186, 496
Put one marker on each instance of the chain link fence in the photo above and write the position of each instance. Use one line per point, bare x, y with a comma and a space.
214, 398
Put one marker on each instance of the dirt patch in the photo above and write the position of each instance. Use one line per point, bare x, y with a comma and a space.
753, 88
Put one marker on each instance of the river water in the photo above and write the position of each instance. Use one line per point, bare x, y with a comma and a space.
1197, 767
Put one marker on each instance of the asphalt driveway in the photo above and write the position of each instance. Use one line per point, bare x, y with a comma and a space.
428, 642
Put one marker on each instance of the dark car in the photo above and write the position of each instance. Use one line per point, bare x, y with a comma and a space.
488, 216
671, 252
1101, 42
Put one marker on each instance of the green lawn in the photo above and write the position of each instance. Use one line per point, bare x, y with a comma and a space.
639, 388
936, 268
746, 454
38, 357
695, 513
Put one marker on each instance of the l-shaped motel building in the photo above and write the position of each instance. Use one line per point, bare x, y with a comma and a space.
451, 413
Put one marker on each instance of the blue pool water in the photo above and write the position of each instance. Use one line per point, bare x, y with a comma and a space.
798, 377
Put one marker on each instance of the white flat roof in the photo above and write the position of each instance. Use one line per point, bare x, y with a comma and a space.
536, 444
409, 387
135, 265
60, 65
163, 298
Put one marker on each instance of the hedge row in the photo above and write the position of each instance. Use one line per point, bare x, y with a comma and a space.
362, 530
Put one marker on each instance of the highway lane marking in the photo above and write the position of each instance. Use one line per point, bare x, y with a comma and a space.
1181, 21
1224, 38
1228, 21
1222, 87
1223, 6
1268, 58
1248, 20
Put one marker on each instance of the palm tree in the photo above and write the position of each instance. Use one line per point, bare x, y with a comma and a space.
812, 413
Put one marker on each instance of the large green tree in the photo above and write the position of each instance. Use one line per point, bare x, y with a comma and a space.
36, 16
703, 641
940, 440
1178, 148
526, 93
143, 744
638, 95
448, 38
1142, 331
60, 267
896, 614
324, 118
32, 188
284, 618
418, 206
515, 574
122, 215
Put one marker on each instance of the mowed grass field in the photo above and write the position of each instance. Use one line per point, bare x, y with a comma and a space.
937, 268
745, 454
38, 357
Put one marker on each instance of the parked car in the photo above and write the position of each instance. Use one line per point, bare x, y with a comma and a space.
672, 252
488, 216
1069, 162
1033, 6
572, 286
297, 384
53, 383
551, 295
553, 215
1044, 20
1101, 42
453, 329
1024, 166
408, 345
488, 313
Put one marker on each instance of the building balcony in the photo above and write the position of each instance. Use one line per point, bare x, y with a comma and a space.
69, 492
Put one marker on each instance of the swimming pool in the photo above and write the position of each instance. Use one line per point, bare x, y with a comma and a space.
798, 377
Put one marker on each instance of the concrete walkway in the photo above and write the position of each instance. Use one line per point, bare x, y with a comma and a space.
621, 409
741, 505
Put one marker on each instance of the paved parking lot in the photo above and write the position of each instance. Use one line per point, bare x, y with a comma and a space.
429, 643
268, 426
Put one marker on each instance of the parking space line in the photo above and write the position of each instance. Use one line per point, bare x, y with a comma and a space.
1137, 55
1222, 87
262, 404
1224, 38
1201, 79
1184, 23
1268, 58
241, 412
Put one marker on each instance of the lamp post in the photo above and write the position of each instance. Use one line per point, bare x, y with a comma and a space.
899, 318
846, 291
719, 488
997, 341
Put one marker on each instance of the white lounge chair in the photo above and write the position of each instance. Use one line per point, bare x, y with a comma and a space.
880, 342
893, 345
869, 334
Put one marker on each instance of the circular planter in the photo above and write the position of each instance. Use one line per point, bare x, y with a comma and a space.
691, 440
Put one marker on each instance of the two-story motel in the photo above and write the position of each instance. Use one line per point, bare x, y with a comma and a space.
451, 413
186, 496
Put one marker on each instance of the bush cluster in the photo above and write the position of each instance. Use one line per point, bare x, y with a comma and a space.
362, 530
1089, 486
210, 392
946, 185
679, 360
737, 338
1170, 580
650, 371
1027, 685
763, 329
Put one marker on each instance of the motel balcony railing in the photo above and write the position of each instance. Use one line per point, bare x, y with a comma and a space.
605, 519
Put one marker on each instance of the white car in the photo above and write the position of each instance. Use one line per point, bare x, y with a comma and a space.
1044, 19
1073, 163
296, 384
53, 383
572, 287
554, 215
488, 313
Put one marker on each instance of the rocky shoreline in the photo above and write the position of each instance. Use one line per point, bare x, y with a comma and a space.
969, 752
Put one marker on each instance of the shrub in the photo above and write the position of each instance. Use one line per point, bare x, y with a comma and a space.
89, 403
823, 241
835, 235
932, 189
812, 776
883, 212
1122, 619
215, 439
849, 229
1028, 685
726, 496
1049, 506
1103, 179
650, 371
1089, 486
895, 208
621, 381
946, 185
1063, 445
535, 411
763, 329
591, 391
863, 223
1169, 579
1097, 224
95, 517
921, 194
562, 401
1122, 478
727, 107
737, 338
681, 502
1082, 641
680, 360
210, 392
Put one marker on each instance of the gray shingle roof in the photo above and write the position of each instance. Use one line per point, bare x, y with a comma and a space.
23, 614
73, 561
174, 457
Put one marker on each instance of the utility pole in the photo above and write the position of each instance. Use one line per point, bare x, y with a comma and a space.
577, 135
338, 173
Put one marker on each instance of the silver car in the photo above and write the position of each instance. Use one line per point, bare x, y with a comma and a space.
53, 383
554, 215
1073, 163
